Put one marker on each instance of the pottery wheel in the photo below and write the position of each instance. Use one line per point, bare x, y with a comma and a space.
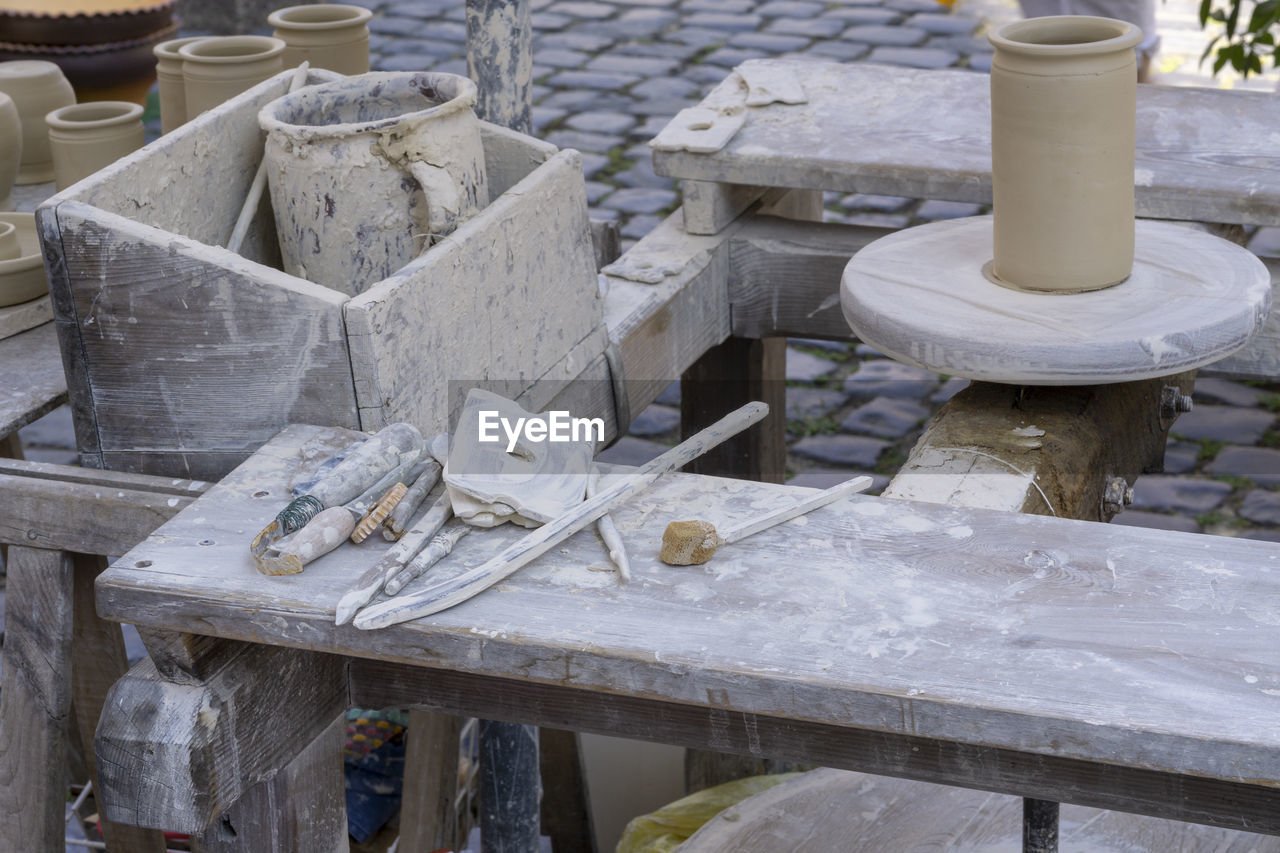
920, 296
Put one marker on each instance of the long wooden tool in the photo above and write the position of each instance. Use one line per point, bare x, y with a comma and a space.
456, 590
609, 531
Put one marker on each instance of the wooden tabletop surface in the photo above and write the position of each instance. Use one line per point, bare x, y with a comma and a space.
31, 378
1109, 644
1202, 154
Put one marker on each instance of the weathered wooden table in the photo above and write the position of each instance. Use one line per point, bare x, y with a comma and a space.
1116, 667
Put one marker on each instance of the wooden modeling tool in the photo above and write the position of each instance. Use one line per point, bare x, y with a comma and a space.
441, 546
397, 524
692, 543
447, 593
609, 531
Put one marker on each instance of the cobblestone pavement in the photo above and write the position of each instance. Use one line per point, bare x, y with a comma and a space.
610, 73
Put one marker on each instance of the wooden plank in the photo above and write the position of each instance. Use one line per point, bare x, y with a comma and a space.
195, 356
301, 810
61, 507
510, 157
36, 700
97, 660
710, 207
500, 60
1231, 804
867, 610
566, 802
427, 816
16, 319
409, 362
1038, 449
1197, 149
175, 756
31, 374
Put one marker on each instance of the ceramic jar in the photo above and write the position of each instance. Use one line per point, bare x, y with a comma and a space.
1063, 104
36, 87
328, 35
10, 148
215, 69
173, 94
86, 137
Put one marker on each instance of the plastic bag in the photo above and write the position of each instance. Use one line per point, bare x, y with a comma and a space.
670, 826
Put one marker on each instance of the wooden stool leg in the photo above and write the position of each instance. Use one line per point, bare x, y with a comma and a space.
98, 660
36, 700
509, 788
430, 782
1039, 826
566, 804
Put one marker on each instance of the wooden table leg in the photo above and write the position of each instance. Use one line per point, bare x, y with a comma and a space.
427, 820
1039, 826
36, 700
566, 803
510, 788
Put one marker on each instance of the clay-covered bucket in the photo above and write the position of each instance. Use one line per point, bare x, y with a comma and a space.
365, 173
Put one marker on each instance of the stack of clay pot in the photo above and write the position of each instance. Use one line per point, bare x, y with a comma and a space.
31, 88
102, 46
197, 74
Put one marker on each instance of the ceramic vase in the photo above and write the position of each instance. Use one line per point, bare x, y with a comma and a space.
36, 87
1063, 102
328, 35
367, 172
86, 137
215, 69
173, 93
10, 148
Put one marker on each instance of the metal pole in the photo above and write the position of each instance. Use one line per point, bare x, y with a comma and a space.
510, 788
1039, 826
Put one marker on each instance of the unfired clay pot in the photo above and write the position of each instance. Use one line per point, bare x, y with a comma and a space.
9, 241
22, 278
10, 147
328, 35
215, 69
86, 137
173, 93
1063, 101
366, 172
36, 87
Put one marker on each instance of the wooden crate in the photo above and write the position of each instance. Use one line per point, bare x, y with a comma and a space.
182, 358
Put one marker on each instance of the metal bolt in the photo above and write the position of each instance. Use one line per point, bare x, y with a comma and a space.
1173, 403
1116, 495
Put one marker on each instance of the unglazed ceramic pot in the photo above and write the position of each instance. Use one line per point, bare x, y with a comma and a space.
22, 278
328, 35
86, 137
366, 172
9, 241
173, 93
215, 69
1063, 102
36, 87
10, 147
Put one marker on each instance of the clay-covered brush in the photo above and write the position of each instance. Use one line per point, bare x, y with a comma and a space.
692, 543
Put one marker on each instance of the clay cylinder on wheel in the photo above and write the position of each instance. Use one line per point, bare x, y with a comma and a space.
1063, 103
221, 67
366, 172
328, 35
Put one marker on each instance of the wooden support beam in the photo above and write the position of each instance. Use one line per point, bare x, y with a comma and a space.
566, 802
176, 755
509, 787
427, 818
35, 703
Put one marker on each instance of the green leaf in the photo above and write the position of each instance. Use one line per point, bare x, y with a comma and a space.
1255, 64
1209, 49
1233, 18
1205, 6
1220, 61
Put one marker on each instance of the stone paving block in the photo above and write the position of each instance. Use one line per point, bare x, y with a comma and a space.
392, 25
865, 15
406, 62
446, 30
1228, 424
665, 87
543, 117
934, 210
980, 62
641, 174
655, 420
1266, 243
604, 214
877, 203
707, 74
853, 450
612, 123
583, 9
640, 225
737, 7
842, 51
597, 143
789, 9
631, 200
839, 347
913, 6
597, 190
879, 220
636, 24
813, 27
876, 34
1261, 507
1180, 457
1156, 521
1261, 535
453, 66
54, 430
819, 477
1259, 464
962, 44
651, 127
422, 47
557, 58
592, 80
588, 42
630, 450
866, 352
803, 367
805, 403
730, 57
593, 164
699, 36
885, 417
771, 43
724, 23
645, 66
582, 100
666, 107
942, 24
670, 395
914, 57
549, 21
948, 389
664, 49
639, 151
1214, 390
1164, 492
417, 8
891, 379
51, 455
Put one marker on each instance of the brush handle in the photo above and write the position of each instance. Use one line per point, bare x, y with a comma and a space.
441, 546
769, 519
457, 590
